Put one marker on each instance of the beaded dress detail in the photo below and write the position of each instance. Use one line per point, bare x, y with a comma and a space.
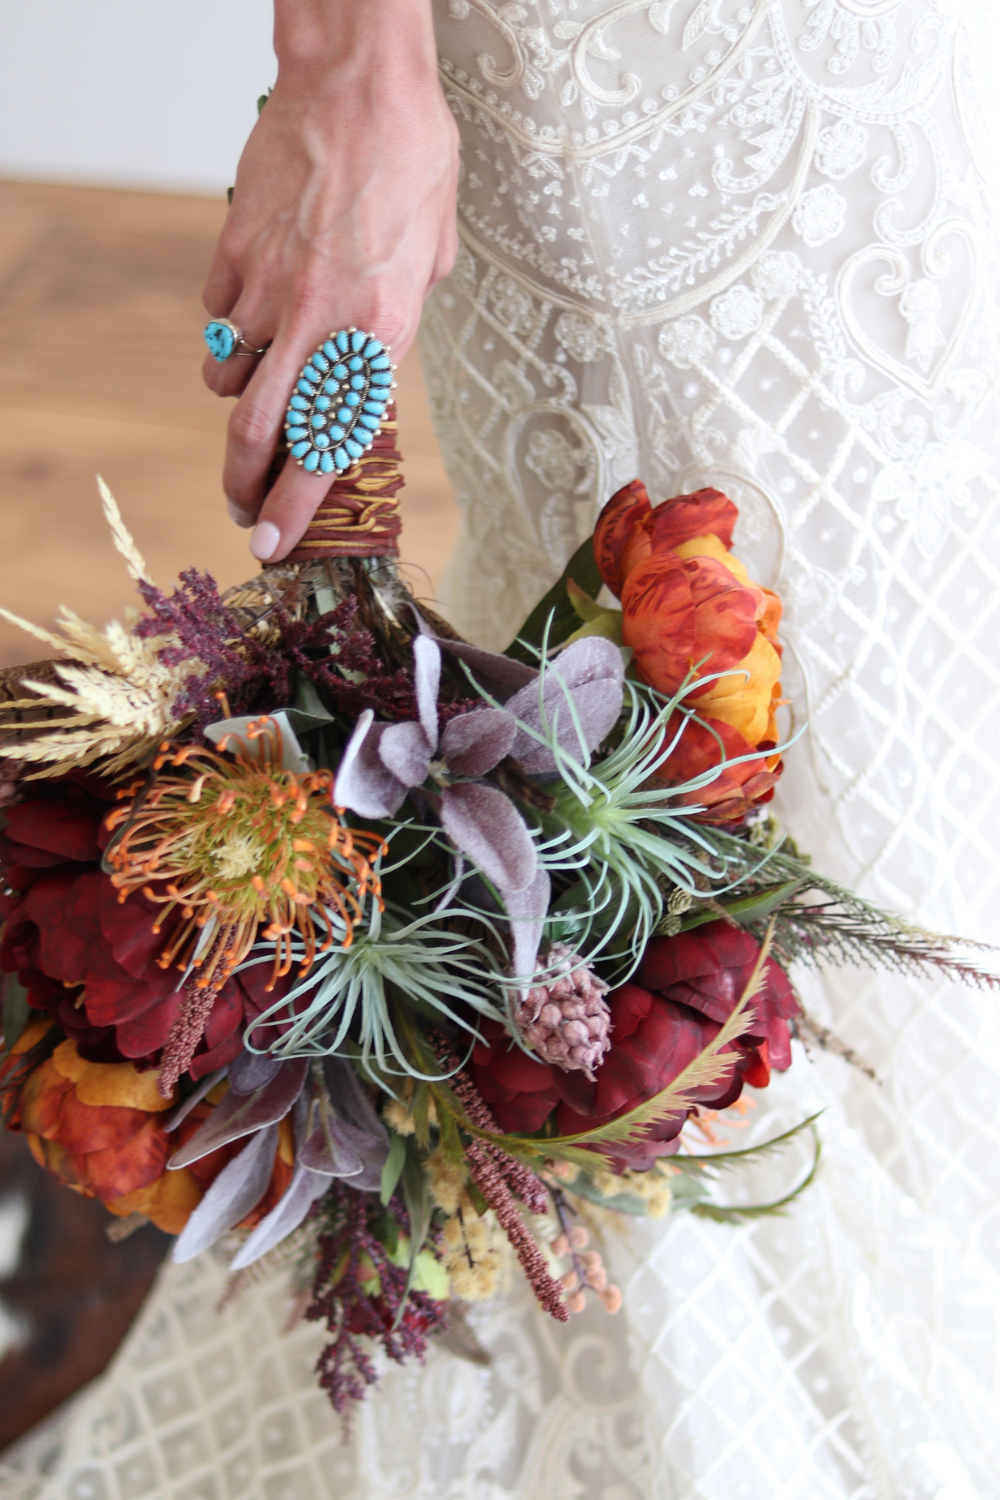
741, 243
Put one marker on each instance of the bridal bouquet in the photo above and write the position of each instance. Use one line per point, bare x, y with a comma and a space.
335, 938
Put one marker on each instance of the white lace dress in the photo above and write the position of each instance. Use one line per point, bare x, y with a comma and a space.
747, 243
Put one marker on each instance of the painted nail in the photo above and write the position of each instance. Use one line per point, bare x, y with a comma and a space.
241, 517
265, 541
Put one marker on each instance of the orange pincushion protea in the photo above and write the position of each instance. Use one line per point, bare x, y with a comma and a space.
240, 843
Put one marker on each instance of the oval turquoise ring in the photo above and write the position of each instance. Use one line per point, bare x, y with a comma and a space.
224, 339
336, 410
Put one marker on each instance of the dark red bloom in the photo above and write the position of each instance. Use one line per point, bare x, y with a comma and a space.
88, 959
685, 988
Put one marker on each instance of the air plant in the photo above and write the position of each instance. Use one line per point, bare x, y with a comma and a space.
349, 999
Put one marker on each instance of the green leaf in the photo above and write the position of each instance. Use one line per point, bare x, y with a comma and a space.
16, 1011
582, 568
726, 1215
749, 1154
586, 608
393, 1168
745, 909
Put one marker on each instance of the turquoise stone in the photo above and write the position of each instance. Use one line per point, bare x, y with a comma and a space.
342, 341
321, 440
341, 459
353, 448
326, 463
345, 415
321, 364
311, 461
305, 388
296, 434
372, 349
365, 419
331, 387
358, 341
322, 403
221, 341
358, 382
300, 403
331, 351
382, 377
317, 420
352, 398
375, 407
301, 449
355, 362
340, 371
382, 363
337, 433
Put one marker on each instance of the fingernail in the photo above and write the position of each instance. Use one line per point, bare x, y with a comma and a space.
265, 541
241, 517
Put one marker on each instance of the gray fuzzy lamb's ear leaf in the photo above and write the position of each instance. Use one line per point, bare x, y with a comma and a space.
427, 681
526, 911
582, 701
329, 1148
365, 1131
486, 826
405, 750
475, 742
592, 659
286, 1216
364, 784
497, 674
250, 1071
238, 1188
237, 1115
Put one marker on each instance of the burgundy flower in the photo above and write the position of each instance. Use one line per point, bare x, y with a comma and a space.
708, 969
90, 960
689, 986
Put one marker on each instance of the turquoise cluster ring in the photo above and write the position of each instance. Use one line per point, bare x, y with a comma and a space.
224, 339
336, 410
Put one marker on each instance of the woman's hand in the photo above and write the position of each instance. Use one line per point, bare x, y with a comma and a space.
343, 214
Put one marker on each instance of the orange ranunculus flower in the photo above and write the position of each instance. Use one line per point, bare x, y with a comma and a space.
97, 1128
689, 605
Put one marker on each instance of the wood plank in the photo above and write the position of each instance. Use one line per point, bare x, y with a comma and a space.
100, 372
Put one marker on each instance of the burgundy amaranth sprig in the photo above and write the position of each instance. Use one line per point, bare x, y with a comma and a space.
521, 1180
486, 1174
348, 1256
207, 633
498, 1177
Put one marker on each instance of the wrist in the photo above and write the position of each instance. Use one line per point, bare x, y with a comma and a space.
320, 40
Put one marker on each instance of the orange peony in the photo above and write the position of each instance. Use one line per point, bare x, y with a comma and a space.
689, 606
97, 1128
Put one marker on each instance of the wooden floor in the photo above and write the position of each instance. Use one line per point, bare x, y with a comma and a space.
100, 359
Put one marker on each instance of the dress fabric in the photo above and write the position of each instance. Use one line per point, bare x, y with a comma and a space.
745, 243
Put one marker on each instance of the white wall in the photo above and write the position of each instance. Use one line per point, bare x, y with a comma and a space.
131, 93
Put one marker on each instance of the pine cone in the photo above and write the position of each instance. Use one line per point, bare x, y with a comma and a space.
565, 1019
